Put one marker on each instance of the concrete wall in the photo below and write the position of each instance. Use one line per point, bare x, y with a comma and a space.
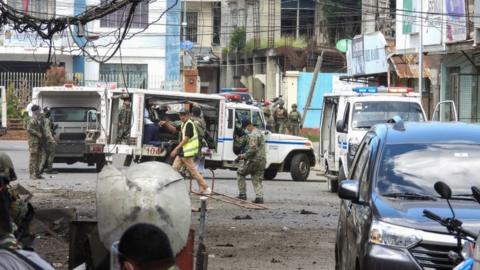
467, 90
205, 21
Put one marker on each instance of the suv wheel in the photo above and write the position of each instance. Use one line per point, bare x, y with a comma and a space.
270, 174
300, 167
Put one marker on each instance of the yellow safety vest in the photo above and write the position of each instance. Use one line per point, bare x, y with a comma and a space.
190, 149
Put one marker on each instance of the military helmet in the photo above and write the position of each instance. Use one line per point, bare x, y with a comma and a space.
6, 168
294, 105
281, 102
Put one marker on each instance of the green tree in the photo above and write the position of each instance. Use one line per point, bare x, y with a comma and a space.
238, 38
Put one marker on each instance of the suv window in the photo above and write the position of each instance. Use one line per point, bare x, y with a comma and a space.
240, 115
257, 120
415, 167
361, 162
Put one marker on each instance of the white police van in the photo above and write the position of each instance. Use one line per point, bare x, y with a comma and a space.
78, 114
348, 115
285, 153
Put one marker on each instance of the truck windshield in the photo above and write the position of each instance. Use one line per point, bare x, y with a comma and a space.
367, 114
71, 114
415, 168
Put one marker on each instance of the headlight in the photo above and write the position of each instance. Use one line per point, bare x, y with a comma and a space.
382, 233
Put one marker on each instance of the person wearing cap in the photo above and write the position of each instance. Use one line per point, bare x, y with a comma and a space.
35, 137
48, 143
294, 120
254, 162
124, 120
188, 149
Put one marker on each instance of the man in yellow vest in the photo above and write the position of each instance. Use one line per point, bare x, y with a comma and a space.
187, 150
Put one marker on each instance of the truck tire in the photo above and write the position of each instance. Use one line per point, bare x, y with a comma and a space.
99, 165
270, 174
300, 167
333, 184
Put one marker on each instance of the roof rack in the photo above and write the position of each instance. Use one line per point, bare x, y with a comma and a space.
397, 122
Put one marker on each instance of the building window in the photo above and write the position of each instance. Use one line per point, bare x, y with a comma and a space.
301, 10
216, 24
117, 18
44, 9
192, 26
132, 75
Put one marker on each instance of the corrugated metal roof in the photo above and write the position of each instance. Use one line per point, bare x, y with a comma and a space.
406, 66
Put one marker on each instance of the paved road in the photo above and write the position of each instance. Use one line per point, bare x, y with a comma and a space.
278, 238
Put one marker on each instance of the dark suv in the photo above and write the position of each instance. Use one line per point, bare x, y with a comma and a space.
381, 223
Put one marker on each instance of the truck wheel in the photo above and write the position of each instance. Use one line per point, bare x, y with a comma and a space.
269, 174
333, 184
99, 165
300, 167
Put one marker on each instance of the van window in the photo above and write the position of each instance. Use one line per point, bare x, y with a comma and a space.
257, 120
230, 119
71, 114
368, 113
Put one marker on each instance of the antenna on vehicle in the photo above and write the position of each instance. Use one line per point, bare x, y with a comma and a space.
397, 123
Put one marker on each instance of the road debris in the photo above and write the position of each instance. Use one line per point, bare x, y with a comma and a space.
306, 212
242, 217
275, 261
224, 245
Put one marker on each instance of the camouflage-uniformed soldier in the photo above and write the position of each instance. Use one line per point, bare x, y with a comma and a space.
35, 137
254, 164
124, 120
281, 118
15, 213
269, 118
294, 120
48, 144
200, 124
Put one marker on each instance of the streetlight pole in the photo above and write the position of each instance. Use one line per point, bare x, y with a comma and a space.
420, 50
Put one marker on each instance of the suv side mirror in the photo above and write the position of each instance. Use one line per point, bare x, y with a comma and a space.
349, 190
476, 193
340, 125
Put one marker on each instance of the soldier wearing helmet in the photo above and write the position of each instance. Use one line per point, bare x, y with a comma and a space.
124, 120
294, 120
35, 138
281, 118
48, 143
15, 213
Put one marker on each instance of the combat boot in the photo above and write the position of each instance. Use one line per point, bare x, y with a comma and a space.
258, 200
51, 171
242, 196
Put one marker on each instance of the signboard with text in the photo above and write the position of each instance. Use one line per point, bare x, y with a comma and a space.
367, 55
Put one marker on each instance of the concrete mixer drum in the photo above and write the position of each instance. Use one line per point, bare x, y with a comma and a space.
150, 192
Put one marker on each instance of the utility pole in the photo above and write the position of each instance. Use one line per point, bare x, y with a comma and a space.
184, 39
297, 33
420, 51
318, 66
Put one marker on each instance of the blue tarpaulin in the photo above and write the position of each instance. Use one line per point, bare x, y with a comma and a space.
324, 85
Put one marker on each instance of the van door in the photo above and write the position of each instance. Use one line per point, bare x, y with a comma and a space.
228, 136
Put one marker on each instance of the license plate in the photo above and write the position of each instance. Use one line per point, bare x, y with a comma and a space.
152, 151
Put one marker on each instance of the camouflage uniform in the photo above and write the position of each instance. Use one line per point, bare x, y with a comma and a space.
48, 153
35, 136
281, 119
124, 123
16, 212
201, 126
254, 164
269, 119
294, 120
